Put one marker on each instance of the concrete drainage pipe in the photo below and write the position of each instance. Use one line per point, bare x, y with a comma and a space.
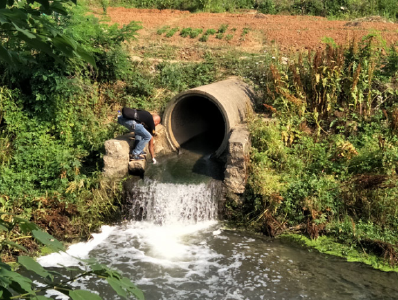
213, 109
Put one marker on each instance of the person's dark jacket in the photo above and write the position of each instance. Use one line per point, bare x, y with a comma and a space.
140, 116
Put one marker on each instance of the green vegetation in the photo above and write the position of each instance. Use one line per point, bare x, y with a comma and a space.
324, 158
229, 37
195, 32
17, 286
245, 31
330, 8
210, 31
185, 32
204, 38
223, 28
171, 32
326, 163
52, 103
162, 30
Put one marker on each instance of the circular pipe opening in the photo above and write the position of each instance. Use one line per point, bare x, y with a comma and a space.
197, 123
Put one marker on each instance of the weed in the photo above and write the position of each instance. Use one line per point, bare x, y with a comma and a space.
171, 32
195, 32
204, 38
219, 36
105, 4
245, 31
229, 37
223, 28
162, 30
210, 32
185, 32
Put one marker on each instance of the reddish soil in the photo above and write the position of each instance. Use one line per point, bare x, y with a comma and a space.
286, 32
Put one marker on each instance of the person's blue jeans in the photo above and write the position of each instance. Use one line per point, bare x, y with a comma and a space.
141, 134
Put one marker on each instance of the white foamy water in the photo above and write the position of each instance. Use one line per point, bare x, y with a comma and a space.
172, 211
75, 252
174, 204
179, 251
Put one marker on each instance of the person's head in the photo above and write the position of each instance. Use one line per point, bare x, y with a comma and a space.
156, 119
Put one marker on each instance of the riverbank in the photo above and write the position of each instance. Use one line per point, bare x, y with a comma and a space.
324, 132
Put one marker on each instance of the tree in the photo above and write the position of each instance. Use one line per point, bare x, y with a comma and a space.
28, 27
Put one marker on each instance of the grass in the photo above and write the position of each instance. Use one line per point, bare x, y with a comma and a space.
185, 32
162, 30
204, 38
223, 28
195, 32
171, 32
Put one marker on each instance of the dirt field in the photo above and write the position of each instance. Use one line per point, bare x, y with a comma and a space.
287, 32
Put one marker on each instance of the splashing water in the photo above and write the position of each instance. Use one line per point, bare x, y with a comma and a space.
173, 248
173, 204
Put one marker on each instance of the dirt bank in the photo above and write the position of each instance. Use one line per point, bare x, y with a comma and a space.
287, 32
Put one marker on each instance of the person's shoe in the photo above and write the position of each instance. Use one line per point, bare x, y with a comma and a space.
143, 153
136, 157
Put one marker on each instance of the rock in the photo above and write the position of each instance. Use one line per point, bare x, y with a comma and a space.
235, 175
162, 145
137, 167
116, 157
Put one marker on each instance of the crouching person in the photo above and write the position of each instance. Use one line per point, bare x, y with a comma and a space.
143, 124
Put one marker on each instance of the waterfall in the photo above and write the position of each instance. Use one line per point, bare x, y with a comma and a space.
170, 203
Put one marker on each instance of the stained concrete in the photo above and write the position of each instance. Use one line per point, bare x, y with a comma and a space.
216, 109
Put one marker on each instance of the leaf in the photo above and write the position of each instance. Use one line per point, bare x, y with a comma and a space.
4, 55
48, 240
24, 31
15, 245
121, 285
30, 264
116, 285
16, 281
83, 295
86, 56
45, 3
40, 298
4, 293
3, 228
25, 225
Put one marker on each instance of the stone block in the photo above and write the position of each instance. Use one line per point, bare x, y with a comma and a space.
137, 166
235, 175
116, 157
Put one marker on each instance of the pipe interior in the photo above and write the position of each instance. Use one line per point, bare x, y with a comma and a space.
194, 117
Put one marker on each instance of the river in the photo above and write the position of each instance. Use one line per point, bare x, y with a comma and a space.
176, 249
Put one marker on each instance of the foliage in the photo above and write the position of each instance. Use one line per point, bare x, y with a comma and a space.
162, 30
179, 77
185, 32
324, 154
229, 37
195, 32
329, 8
223, 28
28, 27
16, 286
171, 32
53, 121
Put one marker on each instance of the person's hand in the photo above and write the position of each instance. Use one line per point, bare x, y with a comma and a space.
154, 161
